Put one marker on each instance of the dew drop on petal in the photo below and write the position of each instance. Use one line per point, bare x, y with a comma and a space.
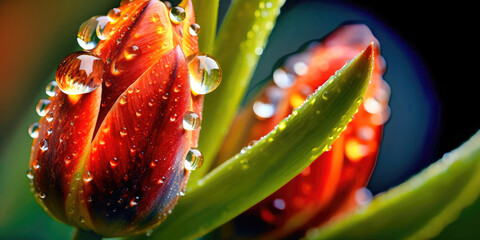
193, 160
177, 14
42, 107
114, 162
51, 89
87, 33
33, 130
191, 121
363, 196
279, 204
44, 145
132, 52
194, 29
114, 14
30, 174
41, 195
80, 73
87, 176
49, 116
205, 74
100, 29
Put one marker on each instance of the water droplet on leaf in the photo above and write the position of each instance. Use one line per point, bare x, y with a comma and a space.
51, 89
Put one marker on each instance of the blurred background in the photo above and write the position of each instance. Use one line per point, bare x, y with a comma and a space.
430, 68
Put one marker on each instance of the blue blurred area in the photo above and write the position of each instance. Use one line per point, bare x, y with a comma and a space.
411, 136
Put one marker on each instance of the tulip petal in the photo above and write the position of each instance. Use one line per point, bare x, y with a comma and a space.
139, 38
258, 171
65, 135
418, 208
137, 157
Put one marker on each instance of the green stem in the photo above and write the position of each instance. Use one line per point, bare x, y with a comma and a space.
206, 13
81, 234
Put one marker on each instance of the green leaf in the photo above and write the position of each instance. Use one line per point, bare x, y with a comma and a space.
419, 208
206, 13
239, 44
273, 160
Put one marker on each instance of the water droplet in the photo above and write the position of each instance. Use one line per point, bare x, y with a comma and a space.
30, 174
177, 14
191, 121
80, 73
134, 201
42, 107
194, 29
77, 176
283, 79
33, 130
114, 162
44, 145
114, 14
51, 89
193, 160
325, 95
100, 29
263, 110
372, 106
123, 100
87, 176
132, 52
71, 210
363, 196
41, 195
87, 36
49, 116
81, 219
123, 132
205, 74
149, 232
279, 204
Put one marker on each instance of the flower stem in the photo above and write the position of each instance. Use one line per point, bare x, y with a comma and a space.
81, 234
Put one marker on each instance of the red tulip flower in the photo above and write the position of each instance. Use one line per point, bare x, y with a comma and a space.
115, 145
334, 183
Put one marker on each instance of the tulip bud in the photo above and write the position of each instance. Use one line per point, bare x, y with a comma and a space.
113, 150
335, 182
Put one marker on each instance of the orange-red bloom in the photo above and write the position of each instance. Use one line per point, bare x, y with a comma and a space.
109, 151
335, 182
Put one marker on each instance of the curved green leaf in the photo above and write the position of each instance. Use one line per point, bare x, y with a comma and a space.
419, 208
206, 13
258, 171
237, 52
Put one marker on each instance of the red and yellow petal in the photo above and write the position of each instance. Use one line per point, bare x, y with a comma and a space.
140, 37
137, 157
65, 134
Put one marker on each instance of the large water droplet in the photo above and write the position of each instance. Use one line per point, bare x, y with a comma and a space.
191, 121
205, 74
177, 14
79, 73
42, 107
51, 89
193, 160
33, 130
